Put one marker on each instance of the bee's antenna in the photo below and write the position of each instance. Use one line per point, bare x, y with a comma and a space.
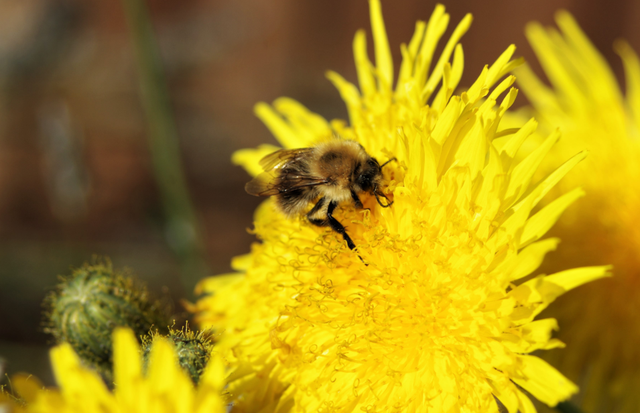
392, 159
380, 194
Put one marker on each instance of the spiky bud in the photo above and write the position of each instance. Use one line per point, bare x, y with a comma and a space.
87, 305
193, 349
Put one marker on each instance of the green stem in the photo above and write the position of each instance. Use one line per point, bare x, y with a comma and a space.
181, 229
567, 407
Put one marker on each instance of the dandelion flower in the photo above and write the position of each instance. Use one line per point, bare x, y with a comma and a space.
586, 103
439, 318
164, 389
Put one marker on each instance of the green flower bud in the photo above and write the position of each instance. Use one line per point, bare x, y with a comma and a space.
87, 305
193, 349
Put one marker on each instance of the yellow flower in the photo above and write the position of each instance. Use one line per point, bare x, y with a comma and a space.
165, 387
587, 104
437, 320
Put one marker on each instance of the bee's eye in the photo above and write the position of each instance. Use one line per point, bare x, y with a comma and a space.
367, 175
365, 179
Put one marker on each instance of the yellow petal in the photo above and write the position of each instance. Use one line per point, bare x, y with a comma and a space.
127, 371
526, 405
538, 93
632, 76
544, 382
543, 220
512, 145
384, 61
241, 262
26, 386
409, 55
212, 284
348, 92
308, 127
575, 277
363, 65
553, 178
592, 60
473, 150
528, 260
538, 334
523, 172
214, 375
65, 364
278, 126
436, 73
249, 159
163, 367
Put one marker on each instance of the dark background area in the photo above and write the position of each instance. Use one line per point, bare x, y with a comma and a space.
75, 169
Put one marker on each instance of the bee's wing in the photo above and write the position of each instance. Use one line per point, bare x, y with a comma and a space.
268, 183
274, 182
281, 158
262, 185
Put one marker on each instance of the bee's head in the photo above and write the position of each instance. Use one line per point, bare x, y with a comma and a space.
368, 175
368, 178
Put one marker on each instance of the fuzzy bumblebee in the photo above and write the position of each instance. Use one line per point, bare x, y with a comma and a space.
327, 174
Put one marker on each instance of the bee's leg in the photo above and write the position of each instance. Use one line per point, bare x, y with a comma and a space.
356, 200
321, 215
318, 214
337, 226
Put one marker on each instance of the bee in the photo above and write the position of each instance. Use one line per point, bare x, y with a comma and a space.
328, 174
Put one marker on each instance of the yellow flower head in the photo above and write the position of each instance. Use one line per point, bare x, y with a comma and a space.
586, 103
434, 321
164, 389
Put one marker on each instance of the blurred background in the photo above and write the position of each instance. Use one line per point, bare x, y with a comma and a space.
76, 170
